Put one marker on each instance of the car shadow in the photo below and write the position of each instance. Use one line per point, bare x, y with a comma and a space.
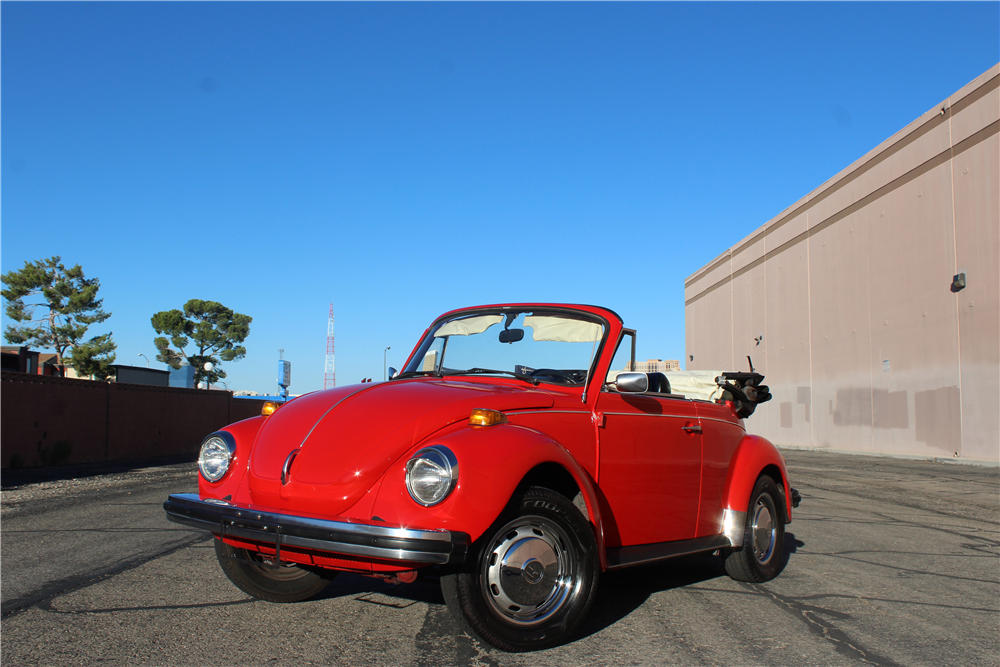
367, 589
619, 593
792, 545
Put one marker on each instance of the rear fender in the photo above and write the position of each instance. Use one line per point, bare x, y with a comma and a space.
492, 462
754, 456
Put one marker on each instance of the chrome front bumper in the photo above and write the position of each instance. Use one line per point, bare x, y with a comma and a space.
335, 537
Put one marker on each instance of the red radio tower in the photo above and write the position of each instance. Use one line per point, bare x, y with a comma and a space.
330, 379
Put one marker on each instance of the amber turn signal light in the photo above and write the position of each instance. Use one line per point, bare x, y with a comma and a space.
486, 417
269, 408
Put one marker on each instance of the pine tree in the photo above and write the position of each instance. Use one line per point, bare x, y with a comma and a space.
215, 330
67, 304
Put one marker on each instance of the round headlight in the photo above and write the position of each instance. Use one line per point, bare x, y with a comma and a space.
431, 475
214, 458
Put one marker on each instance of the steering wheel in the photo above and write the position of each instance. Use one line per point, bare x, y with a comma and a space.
555, 373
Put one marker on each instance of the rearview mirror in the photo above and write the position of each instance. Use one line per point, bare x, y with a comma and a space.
511, 335
392, 372
632, 383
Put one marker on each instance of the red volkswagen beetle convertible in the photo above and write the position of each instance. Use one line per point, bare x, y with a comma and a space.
515, 456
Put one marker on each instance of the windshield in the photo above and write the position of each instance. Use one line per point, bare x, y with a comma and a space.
534, 345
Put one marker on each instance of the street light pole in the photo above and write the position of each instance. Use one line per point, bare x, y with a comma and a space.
384, 361
146, 358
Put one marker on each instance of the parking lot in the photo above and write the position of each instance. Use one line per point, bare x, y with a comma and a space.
892, 562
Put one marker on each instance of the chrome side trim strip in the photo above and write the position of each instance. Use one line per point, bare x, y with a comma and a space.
337, 537
734, 526
545, 411
330, 409
724, 421
646, 414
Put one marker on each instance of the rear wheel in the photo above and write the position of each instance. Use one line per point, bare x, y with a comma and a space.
762, 556
532, 578
256, 575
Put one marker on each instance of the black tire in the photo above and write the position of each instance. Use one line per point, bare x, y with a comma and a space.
762, 556
531, 578
255, 575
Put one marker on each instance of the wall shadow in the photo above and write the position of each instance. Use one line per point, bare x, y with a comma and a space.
12, 478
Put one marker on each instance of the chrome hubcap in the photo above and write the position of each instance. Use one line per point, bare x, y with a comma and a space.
764, 530
528, 571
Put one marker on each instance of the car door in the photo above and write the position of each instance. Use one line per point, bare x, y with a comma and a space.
650, 467
722, 433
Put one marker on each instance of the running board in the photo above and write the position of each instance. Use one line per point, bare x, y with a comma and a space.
619, 557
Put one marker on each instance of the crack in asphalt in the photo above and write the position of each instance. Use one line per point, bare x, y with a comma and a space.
826, 630
97, 530
865, 598
46, 606
45, 596
901, 569
896, 497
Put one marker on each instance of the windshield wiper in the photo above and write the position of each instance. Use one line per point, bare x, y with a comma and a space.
410, 374
484, 371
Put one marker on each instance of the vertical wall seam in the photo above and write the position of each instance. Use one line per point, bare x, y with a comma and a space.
871, 333
809, 331
767, 334
107, 418
732, 315
954, 250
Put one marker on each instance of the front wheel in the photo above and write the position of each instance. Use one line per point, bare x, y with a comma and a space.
256, 575
532, 578
762, 556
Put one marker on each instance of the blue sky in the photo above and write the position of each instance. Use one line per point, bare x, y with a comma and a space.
401, 160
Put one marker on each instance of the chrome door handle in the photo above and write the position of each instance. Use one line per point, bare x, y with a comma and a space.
695, 428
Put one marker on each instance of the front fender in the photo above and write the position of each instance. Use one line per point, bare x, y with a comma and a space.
754, 456
492, 463
244, 433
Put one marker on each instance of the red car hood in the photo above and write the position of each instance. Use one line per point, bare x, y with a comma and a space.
347, 438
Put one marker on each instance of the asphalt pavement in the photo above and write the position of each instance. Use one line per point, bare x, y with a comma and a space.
892, 562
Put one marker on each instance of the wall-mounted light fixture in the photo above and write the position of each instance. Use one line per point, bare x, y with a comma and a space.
958, 283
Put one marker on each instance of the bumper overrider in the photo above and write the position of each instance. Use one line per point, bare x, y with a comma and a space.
338, 537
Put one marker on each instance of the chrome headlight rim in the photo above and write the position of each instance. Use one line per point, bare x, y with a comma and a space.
440, 457
223, 446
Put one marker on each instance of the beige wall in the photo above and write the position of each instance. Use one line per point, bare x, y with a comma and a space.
865, 346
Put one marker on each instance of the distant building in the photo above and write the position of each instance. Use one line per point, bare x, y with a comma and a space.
654, 366
140, 375
264, 397
22, 360
182, 377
